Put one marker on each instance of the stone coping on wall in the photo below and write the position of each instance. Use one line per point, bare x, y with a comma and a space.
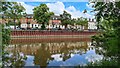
51, 36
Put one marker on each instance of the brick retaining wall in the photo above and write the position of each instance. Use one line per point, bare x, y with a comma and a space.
39, 33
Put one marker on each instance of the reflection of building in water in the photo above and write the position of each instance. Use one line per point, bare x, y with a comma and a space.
30, 49
44, 51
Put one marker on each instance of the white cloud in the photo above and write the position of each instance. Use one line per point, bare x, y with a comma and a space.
28, 0
90, 5
71, 8
56, 0
29, 8
48, 0
58, 8
77, 13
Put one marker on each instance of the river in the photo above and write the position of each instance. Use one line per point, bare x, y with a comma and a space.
55, 53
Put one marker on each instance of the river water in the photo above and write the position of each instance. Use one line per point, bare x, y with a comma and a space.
60, 53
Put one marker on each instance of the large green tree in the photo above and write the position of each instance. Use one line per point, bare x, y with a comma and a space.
72, 21
81, 21
5, 39
109, 21
15, 11
42, 14
108, 18
5, 33
65, 18
4, 6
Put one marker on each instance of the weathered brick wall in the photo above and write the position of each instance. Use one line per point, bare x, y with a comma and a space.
17, 33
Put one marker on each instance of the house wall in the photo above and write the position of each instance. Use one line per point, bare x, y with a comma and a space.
92, 25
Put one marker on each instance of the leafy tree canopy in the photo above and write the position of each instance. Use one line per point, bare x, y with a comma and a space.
42, 13
81, 21
12, 10
65, 18
108, 18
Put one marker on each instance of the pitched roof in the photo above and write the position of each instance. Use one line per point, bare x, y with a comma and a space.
55, 17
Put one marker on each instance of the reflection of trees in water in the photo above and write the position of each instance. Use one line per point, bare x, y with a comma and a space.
42, 55
101, 50
43, 51
14, 59
109, 59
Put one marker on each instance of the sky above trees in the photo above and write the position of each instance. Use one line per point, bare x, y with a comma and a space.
74, 7
50, 0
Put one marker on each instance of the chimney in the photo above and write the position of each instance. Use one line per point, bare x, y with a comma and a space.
92, 20
89, 19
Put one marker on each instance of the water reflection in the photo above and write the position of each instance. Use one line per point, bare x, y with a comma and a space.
57, 53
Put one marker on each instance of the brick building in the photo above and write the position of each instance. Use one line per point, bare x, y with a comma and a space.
54, 23
29, 19
55, 20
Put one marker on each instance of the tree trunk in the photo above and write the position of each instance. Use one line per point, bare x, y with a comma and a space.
14, 24
66, 26
43, 26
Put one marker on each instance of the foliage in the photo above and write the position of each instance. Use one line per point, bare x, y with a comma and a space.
5, 39
7, 10
13, 10
82, 21
18, 60
104, 62
108, 18
85, 11
42, 14
14, 60
65, 18
65, 15
5, 35
12, 23
4, 6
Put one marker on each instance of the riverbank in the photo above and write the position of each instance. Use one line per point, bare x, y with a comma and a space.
39, 40
50, 34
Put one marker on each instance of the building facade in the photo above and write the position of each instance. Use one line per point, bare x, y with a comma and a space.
92, 24
28, 22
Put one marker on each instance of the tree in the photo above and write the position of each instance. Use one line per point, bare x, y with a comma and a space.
4, 6
5, 37
73, 21
109, 21
108, 18
42, 14
8, 60
82, 21
85, 11
65, 18
15, 11
4, 33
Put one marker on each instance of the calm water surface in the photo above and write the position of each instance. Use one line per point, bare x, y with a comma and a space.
56, 53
